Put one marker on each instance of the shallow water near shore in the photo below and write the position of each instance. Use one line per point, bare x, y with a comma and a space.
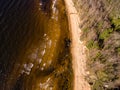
34, 45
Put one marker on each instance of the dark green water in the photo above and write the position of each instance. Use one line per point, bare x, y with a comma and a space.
34, 45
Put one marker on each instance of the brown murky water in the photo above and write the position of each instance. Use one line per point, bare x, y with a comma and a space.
34, 46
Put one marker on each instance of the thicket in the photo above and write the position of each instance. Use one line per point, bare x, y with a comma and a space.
100, 24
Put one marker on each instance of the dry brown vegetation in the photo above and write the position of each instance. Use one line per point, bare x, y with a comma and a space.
100, 24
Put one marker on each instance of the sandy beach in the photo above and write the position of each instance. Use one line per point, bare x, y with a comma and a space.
78, 49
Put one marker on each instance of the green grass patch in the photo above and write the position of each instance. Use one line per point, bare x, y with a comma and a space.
98, 85
118, 50
116, 24
99, 57
85, 30
92, 44
100, 24
102, 76
106, 33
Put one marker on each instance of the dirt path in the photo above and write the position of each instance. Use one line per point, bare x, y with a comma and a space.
77, 48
